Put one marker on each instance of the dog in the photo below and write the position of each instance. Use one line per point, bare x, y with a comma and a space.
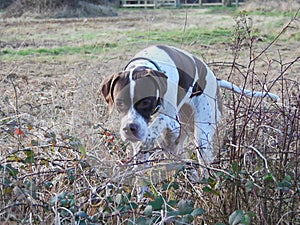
163, 95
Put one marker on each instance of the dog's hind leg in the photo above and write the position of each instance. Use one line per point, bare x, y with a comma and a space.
206, 118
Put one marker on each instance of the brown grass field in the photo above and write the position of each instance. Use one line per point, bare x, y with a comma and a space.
62, 161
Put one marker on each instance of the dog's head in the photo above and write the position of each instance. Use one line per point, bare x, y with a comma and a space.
136, 95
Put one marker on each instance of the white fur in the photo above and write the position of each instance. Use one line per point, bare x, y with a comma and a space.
133, 117
258, 94
131, 86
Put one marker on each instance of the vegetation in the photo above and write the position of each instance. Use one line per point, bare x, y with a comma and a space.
62, 163
57, 8
172, 37
59, 51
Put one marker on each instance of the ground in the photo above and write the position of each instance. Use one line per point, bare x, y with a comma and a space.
67, 52
51, 71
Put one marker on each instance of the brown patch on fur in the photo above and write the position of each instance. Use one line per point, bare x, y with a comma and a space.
107, 89
118, 84
187, 71
201, 82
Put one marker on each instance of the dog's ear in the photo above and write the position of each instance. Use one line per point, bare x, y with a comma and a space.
107, 88
161, 80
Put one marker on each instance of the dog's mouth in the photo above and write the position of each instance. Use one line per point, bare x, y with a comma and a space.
132, 139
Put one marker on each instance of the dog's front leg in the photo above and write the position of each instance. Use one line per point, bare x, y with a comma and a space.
164, 130
141, 158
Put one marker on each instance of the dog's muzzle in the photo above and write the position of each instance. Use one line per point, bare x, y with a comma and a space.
132, 132
131, 128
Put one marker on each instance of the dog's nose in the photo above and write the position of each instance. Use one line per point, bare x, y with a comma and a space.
132, 127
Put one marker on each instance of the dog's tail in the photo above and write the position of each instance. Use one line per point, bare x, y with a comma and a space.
258, 94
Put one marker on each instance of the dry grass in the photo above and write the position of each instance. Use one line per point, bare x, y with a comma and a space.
63, 163
58, 9
272, 5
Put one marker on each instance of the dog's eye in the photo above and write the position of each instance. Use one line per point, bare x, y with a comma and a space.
120, 105
145, 103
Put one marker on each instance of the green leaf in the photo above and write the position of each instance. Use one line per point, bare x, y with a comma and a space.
285, 184
157, 203
185, 206
246, 220
141, 221
172, 203
130, 222
82, 150
13, 158
287, 181
219, 174
268, 177
7, 191
12, 171
174, 213
82, 222
30, 156
153, 189
64, 202
207, 189
187, 219
236, 217
197, 212
174, 185
203, 181
212, 182
34, 143
70, 173
148, 210
62, 195
193, 156
82, 214
235, 167
48, 184
6, 181
249, 186
133, 205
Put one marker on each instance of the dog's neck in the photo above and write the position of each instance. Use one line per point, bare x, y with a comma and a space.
141, 62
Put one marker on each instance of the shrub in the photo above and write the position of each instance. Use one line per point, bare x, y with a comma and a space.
56, 8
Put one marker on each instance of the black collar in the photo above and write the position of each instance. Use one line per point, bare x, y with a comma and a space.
158, 105
146, 59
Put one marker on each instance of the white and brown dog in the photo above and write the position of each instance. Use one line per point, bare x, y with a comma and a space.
163, 94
